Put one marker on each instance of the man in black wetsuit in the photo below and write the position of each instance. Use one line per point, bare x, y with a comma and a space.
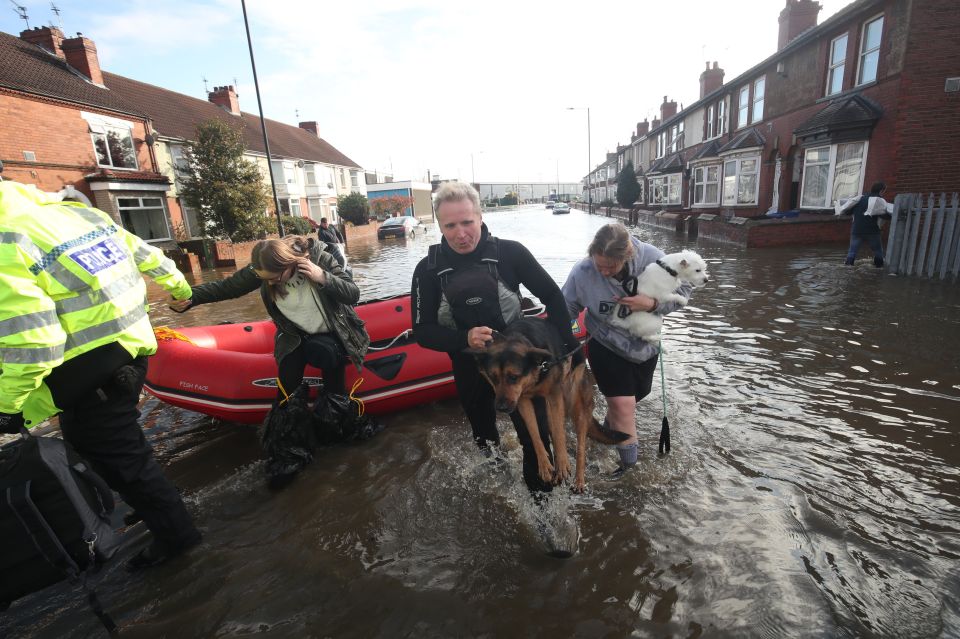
467, 287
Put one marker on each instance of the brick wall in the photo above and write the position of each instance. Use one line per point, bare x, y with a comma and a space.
927, 138
58, 136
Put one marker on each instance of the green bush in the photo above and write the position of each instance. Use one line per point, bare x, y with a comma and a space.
295, 225
354, 208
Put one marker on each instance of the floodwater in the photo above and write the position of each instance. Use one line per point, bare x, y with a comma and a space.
812, 490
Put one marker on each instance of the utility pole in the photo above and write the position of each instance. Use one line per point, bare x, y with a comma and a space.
263, 123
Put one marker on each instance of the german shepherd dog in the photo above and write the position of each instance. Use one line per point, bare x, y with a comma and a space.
528, 360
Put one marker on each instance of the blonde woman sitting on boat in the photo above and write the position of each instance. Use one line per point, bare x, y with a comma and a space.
309, 297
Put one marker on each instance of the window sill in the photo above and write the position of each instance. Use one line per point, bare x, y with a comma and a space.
117, 168
847, 92
707, 205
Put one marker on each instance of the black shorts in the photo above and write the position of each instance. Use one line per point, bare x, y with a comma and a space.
617, 376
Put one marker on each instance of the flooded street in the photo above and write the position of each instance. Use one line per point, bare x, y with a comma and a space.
812, 490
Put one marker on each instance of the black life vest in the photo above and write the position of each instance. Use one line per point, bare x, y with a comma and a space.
474, 295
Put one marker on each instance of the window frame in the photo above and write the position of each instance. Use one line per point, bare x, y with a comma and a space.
721, 117
710, 123
833, 65
121, 209
743, 106
104, 130
831, 172
755, 101
666, 179
738, 173
862, 54
705, 168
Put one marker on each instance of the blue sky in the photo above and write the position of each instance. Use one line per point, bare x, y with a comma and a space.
417, 85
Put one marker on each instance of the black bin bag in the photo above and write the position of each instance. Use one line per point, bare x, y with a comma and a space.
342, 418
54, 519
288, 437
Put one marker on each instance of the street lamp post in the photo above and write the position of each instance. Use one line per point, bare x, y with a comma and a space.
589, 162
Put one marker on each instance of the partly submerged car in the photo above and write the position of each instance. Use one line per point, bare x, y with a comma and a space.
561, 207
398, 227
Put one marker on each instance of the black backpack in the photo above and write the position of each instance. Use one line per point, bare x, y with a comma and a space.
54, 520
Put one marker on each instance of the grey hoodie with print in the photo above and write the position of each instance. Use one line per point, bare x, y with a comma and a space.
587, 288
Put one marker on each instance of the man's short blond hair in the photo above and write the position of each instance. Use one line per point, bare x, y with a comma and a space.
456, 192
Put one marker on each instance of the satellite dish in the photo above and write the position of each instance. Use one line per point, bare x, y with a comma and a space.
300, 164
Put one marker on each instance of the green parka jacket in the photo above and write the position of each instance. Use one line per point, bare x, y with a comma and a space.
337, 298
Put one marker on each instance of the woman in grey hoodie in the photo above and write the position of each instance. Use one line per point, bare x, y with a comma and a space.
622, 364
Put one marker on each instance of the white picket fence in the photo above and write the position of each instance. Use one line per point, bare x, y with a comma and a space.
924, 235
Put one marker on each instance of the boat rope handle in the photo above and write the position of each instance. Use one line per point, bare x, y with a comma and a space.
406, 333
284, 391
164, 333
361, 409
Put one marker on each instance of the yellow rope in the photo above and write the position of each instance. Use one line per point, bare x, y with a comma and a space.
166, 333
282, 390
360, 407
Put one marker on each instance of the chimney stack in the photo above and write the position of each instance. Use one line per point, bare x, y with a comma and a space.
225, 97
710, 80
81, 54
655, 124
797, 16
642, 128
668, 109
50, 38
310, 126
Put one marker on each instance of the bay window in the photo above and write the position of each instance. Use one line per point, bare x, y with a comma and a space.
665, 189
145, 217
740, 183
832, 173
706, 186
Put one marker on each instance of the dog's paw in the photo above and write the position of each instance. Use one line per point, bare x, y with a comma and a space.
562, 472
546, 472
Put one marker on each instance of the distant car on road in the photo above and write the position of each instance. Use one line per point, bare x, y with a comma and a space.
561, 207
398, 227
550, 205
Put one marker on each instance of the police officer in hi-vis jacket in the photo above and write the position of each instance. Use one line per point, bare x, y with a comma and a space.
74, 340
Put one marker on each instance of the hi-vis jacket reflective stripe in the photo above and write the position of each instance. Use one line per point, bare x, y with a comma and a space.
69, 282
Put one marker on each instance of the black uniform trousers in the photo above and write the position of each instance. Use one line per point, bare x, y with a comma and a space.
103, 427
477, 398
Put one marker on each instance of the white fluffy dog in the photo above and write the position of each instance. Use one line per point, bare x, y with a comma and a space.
660, 280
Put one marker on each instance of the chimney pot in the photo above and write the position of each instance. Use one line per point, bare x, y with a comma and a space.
710, 80
49, 38
226, 98
796, 17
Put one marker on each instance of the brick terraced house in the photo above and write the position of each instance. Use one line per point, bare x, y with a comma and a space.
872, 93
69, 127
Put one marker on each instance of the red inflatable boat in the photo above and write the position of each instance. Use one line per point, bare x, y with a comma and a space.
228, 371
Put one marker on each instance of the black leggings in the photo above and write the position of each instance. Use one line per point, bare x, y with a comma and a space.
477, 399
321, 351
